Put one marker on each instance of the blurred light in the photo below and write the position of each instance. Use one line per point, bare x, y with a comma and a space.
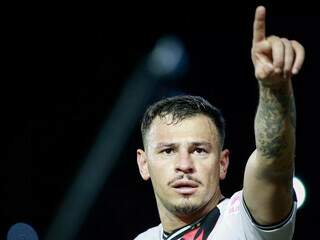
167, 57
300, 191
162, 64
22, 231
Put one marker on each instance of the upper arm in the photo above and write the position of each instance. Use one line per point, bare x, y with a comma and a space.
267, 192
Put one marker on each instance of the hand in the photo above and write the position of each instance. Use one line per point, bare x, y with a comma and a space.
275, 59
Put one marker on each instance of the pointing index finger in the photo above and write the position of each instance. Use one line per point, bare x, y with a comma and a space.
259, 25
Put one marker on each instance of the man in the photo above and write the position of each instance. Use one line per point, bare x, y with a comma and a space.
184, 157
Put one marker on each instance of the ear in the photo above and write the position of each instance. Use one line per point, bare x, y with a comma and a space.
224, 163
143, 164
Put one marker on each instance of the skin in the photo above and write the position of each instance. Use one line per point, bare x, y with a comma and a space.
176, 152
185, 151
269, 170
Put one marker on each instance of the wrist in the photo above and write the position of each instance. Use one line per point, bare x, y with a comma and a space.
284, 87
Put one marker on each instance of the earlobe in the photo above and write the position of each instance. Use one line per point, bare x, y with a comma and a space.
224, 163
143, 164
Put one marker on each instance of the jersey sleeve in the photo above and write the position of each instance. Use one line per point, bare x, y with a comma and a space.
281, 231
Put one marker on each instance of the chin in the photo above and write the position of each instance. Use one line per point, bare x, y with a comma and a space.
186, 206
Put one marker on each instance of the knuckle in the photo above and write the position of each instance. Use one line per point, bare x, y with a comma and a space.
298, 46
273, 38
296, 43
285, 41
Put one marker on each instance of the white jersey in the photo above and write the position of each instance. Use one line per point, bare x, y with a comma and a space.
234, 223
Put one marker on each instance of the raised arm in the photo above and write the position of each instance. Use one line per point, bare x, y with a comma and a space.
269, 170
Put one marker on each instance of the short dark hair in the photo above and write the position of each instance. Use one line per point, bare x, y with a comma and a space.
181, 107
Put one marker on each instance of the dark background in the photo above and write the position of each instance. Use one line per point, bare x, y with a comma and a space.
64, 70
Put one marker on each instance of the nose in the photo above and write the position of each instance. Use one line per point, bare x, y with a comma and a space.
184, 163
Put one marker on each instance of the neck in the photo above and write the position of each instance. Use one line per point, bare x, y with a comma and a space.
172, 221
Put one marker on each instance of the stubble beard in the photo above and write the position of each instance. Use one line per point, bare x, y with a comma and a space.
185, 207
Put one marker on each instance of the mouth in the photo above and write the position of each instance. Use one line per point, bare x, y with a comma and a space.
185, 187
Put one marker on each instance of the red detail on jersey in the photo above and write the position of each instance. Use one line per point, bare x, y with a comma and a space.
190, 235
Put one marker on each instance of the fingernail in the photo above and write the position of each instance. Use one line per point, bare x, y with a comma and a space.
277, 70
295, 71
269, 66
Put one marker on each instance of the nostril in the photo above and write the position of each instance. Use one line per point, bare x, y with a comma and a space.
185, 169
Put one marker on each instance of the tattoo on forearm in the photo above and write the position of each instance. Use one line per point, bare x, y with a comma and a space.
275, 122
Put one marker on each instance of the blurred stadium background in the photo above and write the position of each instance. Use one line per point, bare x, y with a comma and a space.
75, 89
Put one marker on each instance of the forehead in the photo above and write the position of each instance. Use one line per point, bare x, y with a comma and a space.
195, 128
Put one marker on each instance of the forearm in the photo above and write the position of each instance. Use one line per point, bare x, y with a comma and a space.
268, 175
275, 125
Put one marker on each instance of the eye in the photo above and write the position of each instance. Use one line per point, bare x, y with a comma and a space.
167, 150
200, 150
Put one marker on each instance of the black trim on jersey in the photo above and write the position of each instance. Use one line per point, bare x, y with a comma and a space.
209, 223
186, 228
274, 225
166, 234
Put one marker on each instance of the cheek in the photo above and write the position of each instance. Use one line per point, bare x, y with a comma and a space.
210, 174
159, 175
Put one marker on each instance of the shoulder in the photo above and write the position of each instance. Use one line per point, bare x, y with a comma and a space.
236, 220
151, 233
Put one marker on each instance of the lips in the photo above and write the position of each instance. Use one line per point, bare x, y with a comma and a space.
185, 187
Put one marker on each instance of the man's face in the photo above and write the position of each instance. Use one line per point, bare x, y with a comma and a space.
184, 163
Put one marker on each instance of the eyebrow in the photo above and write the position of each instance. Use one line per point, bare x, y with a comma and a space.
161, 145
201, 143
